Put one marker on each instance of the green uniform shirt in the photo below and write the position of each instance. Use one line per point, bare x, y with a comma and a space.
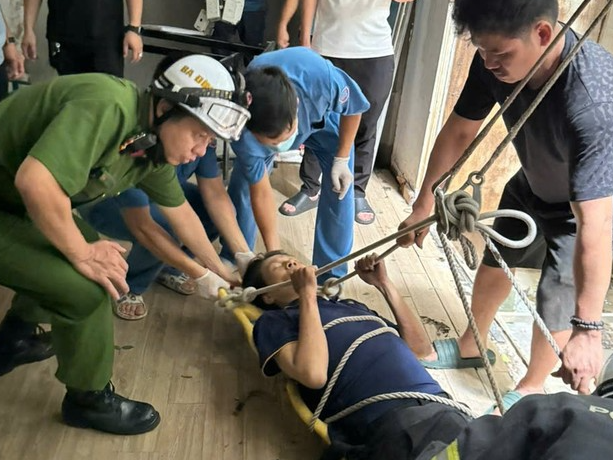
75, 125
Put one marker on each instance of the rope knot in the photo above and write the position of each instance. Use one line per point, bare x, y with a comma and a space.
458, 213
462, 212
332, 288
248, 295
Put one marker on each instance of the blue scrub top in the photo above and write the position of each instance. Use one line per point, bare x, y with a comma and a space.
204, 167
322, 89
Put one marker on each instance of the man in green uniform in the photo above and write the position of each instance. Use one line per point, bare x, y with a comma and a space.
77, 139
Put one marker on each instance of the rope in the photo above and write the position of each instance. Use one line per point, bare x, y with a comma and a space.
356, 343
537, 318
471, 319
399, 395
460, 213
512, 97
373, 399
239, 296
351, 319
248, 294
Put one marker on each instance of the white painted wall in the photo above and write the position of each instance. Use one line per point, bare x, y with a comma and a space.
424, 89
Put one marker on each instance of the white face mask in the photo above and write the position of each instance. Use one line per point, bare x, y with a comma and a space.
287, 143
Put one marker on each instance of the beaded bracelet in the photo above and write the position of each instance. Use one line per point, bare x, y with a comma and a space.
588, 325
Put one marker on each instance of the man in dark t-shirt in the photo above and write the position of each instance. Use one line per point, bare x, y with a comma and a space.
565, 182
306, 336
86, 36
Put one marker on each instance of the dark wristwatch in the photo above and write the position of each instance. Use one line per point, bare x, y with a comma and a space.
12, 40
131, 28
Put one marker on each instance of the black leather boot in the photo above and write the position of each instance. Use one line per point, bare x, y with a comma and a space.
22, 343
107, 411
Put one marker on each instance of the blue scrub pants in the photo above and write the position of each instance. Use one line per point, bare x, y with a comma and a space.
334, 224
144, 267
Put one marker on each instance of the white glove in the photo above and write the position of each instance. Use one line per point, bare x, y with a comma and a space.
341, 176
242, 261
209, 284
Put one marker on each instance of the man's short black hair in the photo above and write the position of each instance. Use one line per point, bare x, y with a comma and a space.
507, 17
275, 103
254, 277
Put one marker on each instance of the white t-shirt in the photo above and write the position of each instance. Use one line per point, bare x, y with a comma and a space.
352, 29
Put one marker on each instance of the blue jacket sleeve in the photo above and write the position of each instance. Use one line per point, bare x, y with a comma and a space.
251, 157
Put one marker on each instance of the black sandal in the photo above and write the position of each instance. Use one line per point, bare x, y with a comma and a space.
361, 205
301, 203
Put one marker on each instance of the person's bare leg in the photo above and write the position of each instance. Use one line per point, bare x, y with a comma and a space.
491, 288
543, 360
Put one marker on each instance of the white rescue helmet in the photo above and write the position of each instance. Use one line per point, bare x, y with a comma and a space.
205, 88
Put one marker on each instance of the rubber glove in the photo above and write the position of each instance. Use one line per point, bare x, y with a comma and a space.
209, 284
341, 176
243, 259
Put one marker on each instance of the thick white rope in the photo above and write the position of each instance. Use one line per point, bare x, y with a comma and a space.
341, 365
352, 319
471, 319
372, 399
537, 318
399, 395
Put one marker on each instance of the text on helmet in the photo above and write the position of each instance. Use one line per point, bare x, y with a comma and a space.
199, 79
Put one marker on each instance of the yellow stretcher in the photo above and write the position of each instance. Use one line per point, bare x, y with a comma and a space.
247, 315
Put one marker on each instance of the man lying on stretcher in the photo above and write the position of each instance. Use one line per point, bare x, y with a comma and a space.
290, 337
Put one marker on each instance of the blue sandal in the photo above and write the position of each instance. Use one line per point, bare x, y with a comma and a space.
449, 357
508, 400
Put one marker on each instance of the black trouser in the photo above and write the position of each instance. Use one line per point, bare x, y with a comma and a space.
4, 81
374, 76
70, 58
403, 432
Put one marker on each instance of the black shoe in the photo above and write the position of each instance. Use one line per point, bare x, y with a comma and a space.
22, 343
301, 203
107, 411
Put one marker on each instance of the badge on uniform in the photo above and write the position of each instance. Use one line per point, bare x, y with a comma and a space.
136, 146
344, 97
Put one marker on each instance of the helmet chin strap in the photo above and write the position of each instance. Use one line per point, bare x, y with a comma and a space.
156, 152
171, 112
